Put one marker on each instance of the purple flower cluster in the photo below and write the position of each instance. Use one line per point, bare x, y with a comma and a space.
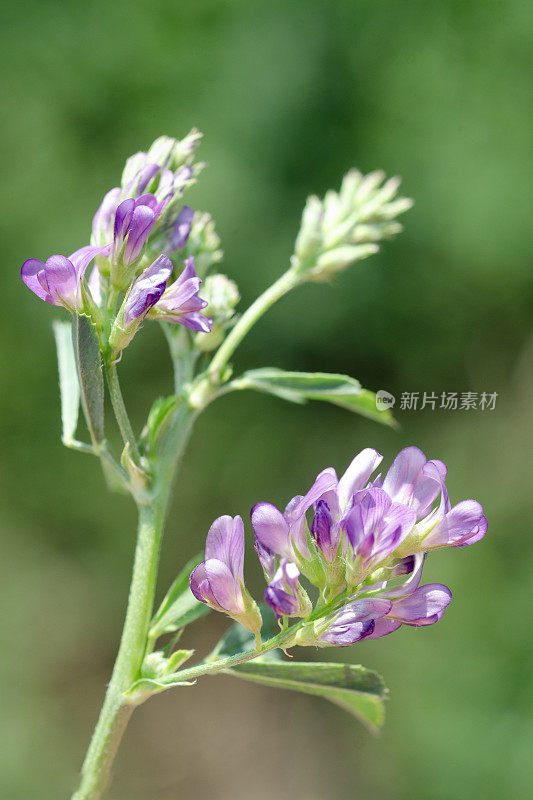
363, 548
123, 242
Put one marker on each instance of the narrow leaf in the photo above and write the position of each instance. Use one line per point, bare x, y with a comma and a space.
90, 374
69, 386
179, 607
298, 387
357, 690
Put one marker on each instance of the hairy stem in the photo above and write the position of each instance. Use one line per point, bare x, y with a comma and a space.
116, 710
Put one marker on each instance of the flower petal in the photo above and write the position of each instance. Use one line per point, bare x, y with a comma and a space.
400, 478
464, 524
201, 588
147, 289
225, 586
383, 627
325, 480
424, 606
357, 474
271, 529
346, 634
225, 542
31, 269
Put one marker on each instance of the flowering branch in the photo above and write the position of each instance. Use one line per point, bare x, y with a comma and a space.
343, 562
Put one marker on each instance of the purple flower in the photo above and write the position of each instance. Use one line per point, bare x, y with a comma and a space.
134, 220
103, 220
278, 534
376, 526
57, 281
219, 580
181, 228
180, 302
414, 481
146, 290
285, 595
374, 617
424, 606
141, 297
417, 482
463, 524
353, 622
335, 501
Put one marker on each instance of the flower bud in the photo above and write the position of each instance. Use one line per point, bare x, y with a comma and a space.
174, 153
346, 227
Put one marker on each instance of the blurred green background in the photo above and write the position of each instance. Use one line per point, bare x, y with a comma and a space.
289, 95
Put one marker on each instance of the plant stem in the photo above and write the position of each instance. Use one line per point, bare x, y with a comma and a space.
284, 284
119, 408
116, 710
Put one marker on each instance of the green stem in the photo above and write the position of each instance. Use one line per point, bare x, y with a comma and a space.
116, 710
207, 667
281, 287
119, 408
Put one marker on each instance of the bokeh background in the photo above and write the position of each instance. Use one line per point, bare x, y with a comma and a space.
289, 96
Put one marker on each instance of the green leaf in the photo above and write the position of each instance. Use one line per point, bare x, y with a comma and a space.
179, 607
69, 386
298, 387
89, 362
357, 690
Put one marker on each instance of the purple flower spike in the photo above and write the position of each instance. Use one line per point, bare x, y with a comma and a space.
218, 580
180, 302
284, 595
